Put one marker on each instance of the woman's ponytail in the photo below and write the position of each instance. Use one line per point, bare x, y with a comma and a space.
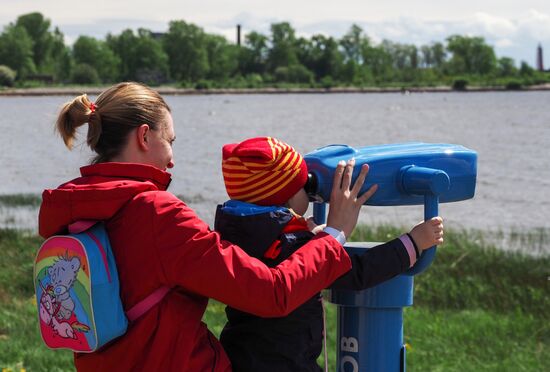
74, 114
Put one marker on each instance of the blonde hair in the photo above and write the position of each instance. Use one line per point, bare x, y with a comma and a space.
115, 113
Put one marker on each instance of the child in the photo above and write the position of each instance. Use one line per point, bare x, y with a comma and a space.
265, 180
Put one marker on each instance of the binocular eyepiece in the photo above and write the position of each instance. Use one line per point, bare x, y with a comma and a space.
311, 186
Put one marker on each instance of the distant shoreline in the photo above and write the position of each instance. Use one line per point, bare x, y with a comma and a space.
171, 91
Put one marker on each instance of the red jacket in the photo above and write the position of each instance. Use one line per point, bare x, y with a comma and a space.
158, 240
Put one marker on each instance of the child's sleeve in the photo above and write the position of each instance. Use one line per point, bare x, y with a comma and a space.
379, 264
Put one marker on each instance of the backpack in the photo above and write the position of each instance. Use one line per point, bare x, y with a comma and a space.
77, 290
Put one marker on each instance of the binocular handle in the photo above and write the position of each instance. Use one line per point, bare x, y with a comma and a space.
431, 205
430, 183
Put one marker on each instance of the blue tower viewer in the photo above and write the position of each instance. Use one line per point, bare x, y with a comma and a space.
370, 322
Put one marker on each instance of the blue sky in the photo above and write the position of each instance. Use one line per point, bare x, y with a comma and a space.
514, 28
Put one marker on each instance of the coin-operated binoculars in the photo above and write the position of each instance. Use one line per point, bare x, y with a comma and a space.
370, 322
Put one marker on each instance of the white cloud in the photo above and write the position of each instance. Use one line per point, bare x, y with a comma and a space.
493, 25
503, 43
535, 24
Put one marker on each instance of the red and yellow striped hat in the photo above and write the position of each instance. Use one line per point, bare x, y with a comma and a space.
263, 171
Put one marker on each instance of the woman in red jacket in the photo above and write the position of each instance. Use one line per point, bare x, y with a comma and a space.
159, 241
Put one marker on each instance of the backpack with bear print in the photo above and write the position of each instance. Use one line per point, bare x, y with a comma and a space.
77, 290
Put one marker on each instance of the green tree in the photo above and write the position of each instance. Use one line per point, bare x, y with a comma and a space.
403, 56
507, 67
60, 63
7, 76
50, 54
305, 53
439, 54
16, 51
413, 56
283, 46
353, 43
379, 62
321, 56
222, 57
124, 46
404, 60
470, 55
37, 28
294, 74
525, 70
141, 56
432, 56
185, 45
96, 53
85, 74
253, 56
427, 59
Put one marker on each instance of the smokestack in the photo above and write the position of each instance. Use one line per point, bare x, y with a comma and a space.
540, 62
239, 35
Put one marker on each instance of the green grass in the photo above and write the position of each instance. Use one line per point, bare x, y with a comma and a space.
476, 308
470, 273
20, 200
475, 340
20, 342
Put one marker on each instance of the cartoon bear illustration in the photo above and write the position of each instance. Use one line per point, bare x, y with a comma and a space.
62, 276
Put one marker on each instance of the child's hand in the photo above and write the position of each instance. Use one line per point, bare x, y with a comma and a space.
345, 201
313, 227
428, 233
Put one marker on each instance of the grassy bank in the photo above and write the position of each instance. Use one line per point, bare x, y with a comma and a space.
20, 200
283, 89
476, 309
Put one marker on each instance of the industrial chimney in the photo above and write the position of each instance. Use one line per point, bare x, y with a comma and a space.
239, 35
540, 62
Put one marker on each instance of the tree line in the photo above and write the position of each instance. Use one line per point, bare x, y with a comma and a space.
32, 52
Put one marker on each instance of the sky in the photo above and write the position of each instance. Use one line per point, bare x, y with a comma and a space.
514, 27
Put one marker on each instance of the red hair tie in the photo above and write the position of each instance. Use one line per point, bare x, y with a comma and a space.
92, 107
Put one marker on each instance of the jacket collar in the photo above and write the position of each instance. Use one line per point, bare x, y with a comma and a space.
139, 172
240, 208
98, 195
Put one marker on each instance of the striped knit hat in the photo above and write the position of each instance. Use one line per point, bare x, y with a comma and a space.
263, 171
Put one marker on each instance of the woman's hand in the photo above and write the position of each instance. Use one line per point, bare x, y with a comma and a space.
345, 204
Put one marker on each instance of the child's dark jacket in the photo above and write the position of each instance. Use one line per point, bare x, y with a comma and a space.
293, 342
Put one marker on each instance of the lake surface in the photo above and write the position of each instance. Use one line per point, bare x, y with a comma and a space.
509, 130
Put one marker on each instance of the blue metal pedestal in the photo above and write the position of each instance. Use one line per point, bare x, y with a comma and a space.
370, 323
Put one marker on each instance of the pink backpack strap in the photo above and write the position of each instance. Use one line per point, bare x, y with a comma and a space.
82, 225
147, 303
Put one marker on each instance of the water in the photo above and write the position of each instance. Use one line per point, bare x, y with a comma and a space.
510, 131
